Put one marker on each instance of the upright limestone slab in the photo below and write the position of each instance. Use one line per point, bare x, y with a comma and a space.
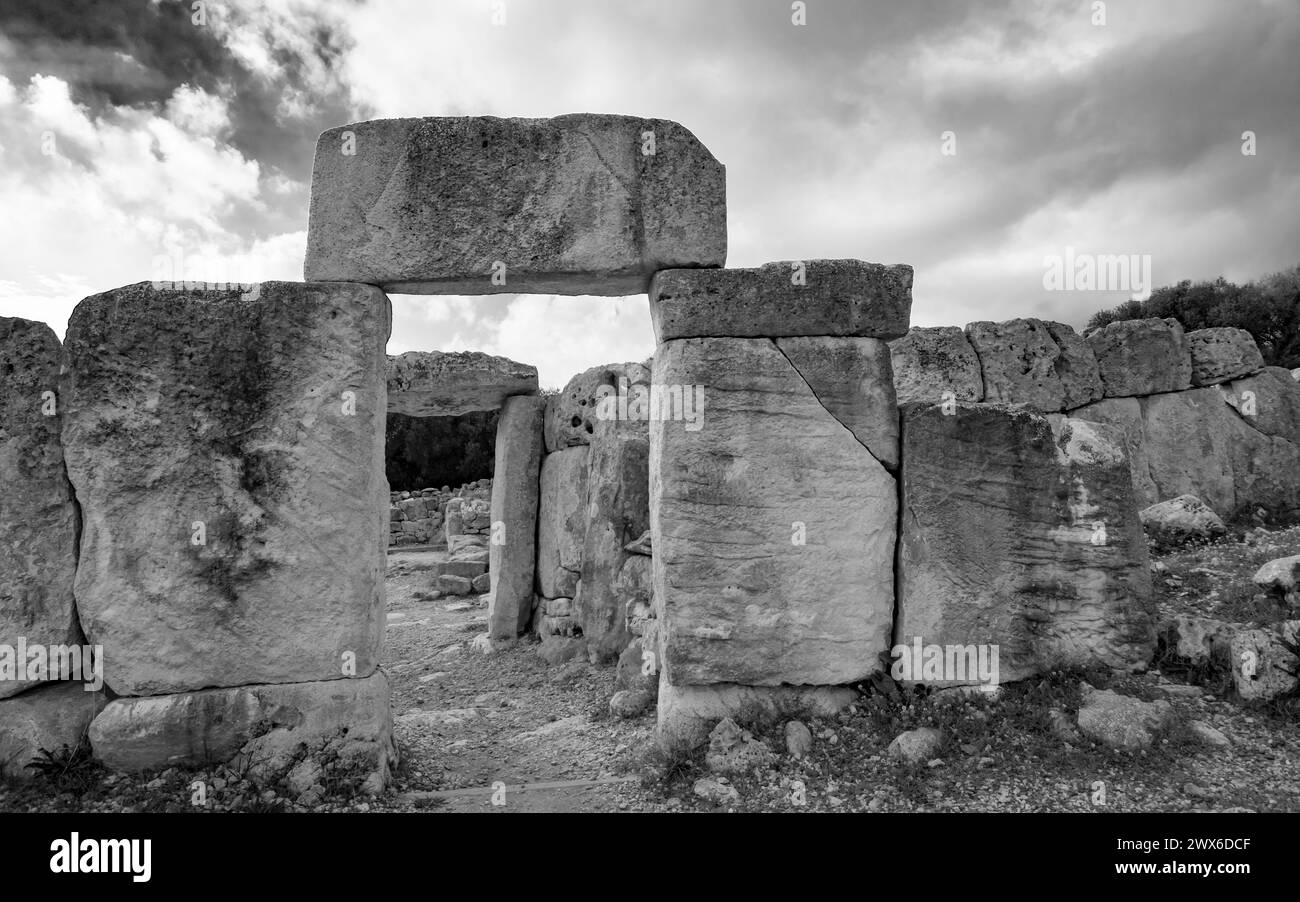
512, 552
579, 204
38, 517
773, 526
561, 522
1023, 534
227, 452
798, 297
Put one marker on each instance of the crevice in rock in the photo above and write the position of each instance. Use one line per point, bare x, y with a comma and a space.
829, 413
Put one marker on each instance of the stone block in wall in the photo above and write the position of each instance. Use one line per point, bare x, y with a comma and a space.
618, 511
345, 726
931, 363
452, 383
513, 547
848, 298
1027, 361
1124, 416
1020, 533
1141, 357
773, 526
227, 451
38, 516
562, 521
572, 414
46, 717
1268, 402
583, 204
1222, 353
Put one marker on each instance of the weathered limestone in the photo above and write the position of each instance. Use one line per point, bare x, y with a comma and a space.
47, 717
814, 297
853, 379
1124, 416
561, 522
1181, 520
773, 526
1221, 354
227, 454
932, 363
345, 725
581, 204
38, 516
1023, 363
448, 384
1142, 357
1268, 402
618, 511
687, 713
513, 548
1022, 533
571, 415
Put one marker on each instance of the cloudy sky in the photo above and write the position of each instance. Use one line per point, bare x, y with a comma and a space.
130, 132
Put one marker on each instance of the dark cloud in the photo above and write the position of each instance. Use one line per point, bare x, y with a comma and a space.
136, 53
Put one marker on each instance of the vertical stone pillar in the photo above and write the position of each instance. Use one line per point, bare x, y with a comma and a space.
513, 543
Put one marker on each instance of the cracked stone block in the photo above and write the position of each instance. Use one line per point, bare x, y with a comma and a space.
583, 204
38, 515
227, 450
1028, 361
773, 525
451, 383
847, 298
1142, 357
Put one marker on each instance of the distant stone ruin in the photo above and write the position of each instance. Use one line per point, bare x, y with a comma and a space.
793, 486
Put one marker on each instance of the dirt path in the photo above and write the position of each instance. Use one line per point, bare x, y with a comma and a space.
465, 721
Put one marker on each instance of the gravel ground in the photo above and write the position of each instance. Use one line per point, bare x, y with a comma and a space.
481, 732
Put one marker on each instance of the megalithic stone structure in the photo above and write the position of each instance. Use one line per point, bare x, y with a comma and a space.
579, 204
773, 496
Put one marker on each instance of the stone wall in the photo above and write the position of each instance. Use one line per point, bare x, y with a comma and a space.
1198, 413
417, 518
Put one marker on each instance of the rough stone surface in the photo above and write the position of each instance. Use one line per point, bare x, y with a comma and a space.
227, 451
345, 725
630, 703
1281, 577
47, 717
773, 527
1197, 641
570, 205
561, 522
513, 550
38, 517
837, 297
556, 650
688, 713
715, 792
1141, 357
735, 751
852, 378
1022, 532
572, 415
1023, 363
1268, 402
1181, 520
1076, 366
1263, 665
1222, 353
1122, 722
931, 363
916, 746
448, 384
798, 739
618, 510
